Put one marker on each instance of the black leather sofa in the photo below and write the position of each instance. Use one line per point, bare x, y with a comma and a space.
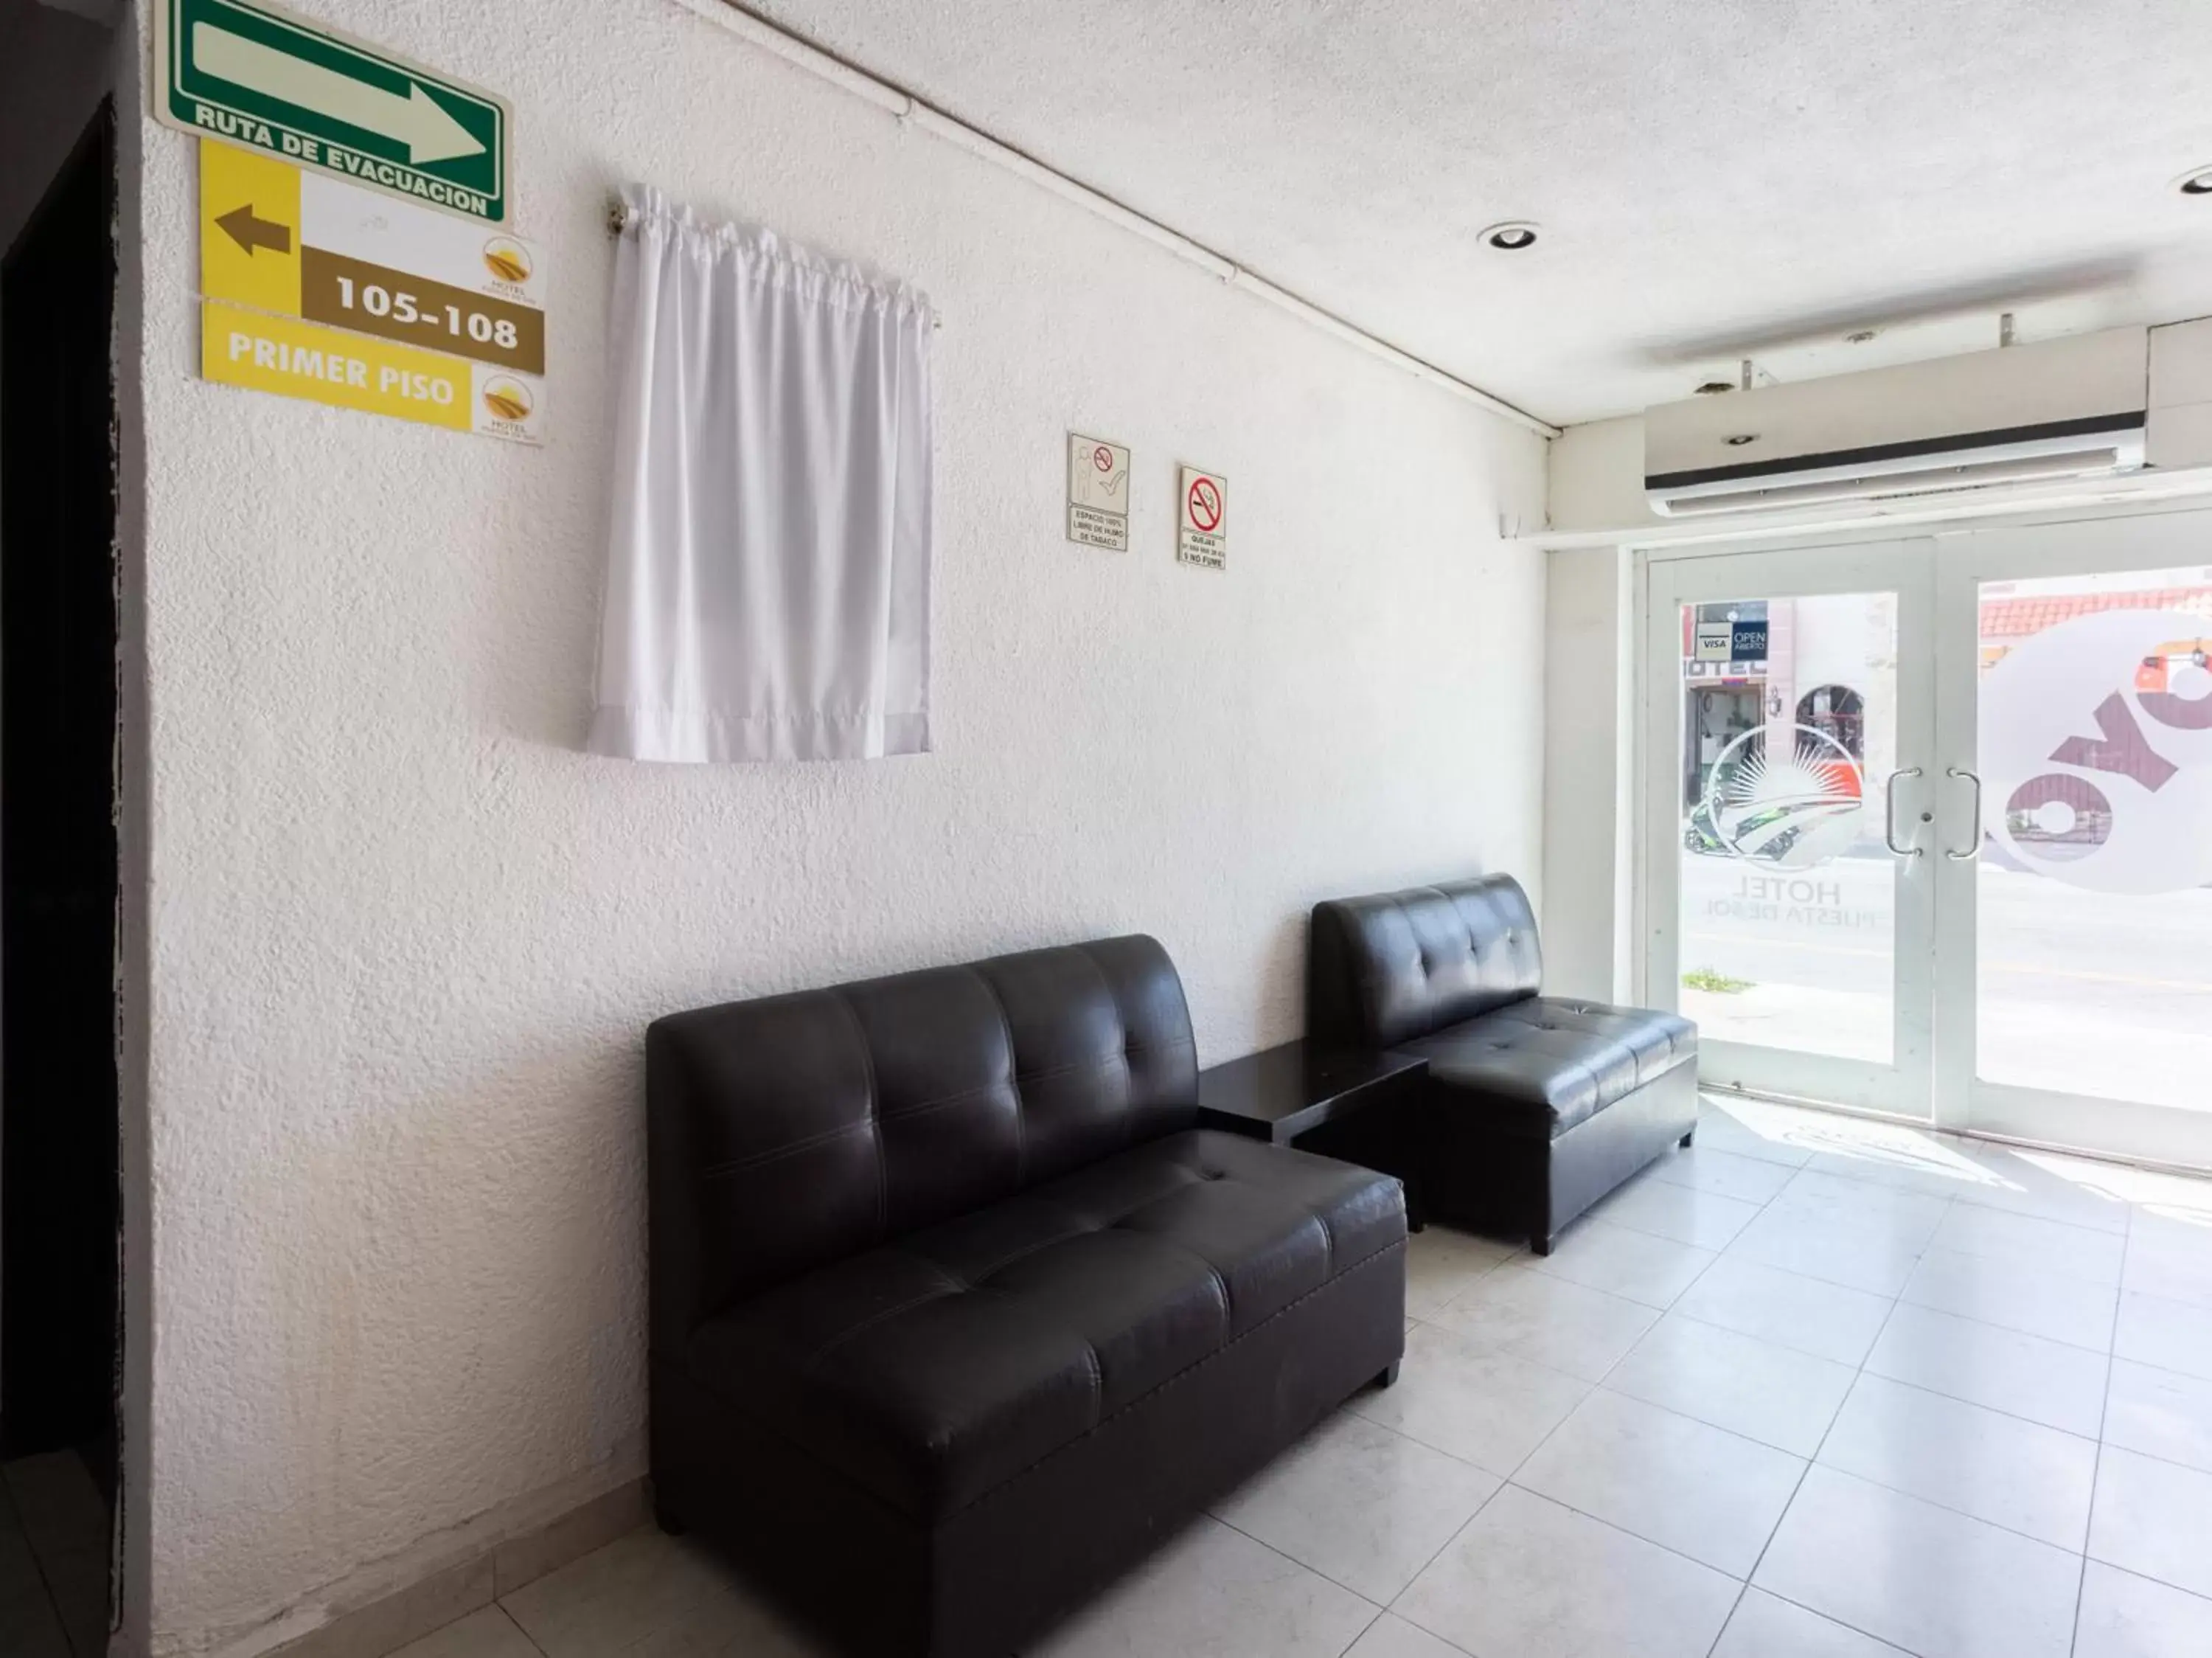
955, 1315
1534, 1107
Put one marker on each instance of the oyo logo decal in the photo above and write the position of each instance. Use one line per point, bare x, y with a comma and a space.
2106, 783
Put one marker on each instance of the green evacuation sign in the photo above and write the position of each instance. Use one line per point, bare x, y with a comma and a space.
257, 76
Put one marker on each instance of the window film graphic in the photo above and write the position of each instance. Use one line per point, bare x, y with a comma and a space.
1790, 797
2096, 733
2093, 894
1787, 895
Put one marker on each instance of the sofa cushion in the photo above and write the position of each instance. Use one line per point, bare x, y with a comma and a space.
795, 1130
1546, 1064
934, 1369
1393, 967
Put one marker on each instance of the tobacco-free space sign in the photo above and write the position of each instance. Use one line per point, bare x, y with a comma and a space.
1097, 493
255, 75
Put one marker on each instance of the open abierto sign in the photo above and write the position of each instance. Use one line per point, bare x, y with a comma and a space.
1202, 537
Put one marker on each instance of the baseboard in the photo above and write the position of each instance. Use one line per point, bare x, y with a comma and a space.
456, 1588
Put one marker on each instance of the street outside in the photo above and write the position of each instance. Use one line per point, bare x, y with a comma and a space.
2080, 992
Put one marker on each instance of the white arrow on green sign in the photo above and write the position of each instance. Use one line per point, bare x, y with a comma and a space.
255, 75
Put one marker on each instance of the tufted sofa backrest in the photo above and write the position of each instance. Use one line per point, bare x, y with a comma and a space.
1393, 967
791, 1131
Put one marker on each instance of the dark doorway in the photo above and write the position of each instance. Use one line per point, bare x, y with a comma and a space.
59, 1261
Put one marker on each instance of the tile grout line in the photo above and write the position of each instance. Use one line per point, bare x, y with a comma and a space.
1860, 1371
1379, 1613
1920, 1256
1954, 1398
1991, 1324
1358, 1595
1811, 1462
1384, 1607
1512, 1479
1519, 1258
1457, 1532
515, 1624
1743, 1584
1508, 1481
1856, 1176
1950, 1204
1994, 1409
2097, 1463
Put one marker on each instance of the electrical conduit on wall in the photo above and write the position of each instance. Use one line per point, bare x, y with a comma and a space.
792, 49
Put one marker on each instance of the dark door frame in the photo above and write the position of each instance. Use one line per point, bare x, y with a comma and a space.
60, 1141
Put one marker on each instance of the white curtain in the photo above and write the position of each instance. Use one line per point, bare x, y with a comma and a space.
767, 573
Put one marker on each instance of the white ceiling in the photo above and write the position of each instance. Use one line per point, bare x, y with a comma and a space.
1715, 178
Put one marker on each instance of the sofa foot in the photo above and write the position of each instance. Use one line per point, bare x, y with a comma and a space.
1388, 1375
1686, 1138
1541, 1243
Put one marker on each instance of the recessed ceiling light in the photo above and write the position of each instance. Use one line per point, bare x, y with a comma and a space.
2198, 183
1860, 337
1511, 236
1714, 387
1741, 439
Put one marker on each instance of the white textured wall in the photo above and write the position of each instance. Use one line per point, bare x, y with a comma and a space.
1590, 694
1597, 479
404, 938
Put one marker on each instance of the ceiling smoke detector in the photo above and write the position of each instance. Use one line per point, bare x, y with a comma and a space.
1511, 236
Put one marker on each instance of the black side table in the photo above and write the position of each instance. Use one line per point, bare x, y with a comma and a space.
1279, 1094
1299, 1092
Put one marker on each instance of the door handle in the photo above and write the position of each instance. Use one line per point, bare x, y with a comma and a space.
1889, 811
1974, 851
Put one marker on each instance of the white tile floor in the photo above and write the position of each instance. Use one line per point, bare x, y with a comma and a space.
1815, 1388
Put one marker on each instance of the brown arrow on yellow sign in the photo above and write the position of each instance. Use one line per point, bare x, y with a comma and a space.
250, 232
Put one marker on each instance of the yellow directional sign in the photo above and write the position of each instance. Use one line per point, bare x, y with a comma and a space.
292, 358
249, 230
443, 322
308, 246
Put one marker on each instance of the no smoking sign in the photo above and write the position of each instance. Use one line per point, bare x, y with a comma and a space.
1097, 493
1202, 537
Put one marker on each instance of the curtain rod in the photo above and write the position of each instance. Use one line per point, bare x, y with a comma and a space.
618, 222
894, 100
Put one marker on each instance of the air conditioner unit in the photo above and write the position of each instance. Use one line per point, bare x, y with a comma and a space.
2066, 408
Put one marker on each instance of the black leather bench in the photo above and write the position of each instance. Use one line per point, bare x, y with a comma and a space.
954, 1313
1534, 1107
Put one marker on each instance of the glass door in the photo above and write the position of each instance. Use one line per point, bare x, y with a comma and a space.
1787, 897
2075, 875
